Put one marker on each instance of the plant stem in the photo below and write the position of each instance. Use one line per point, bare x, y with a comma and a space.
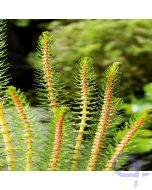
58, 140
48, 75
28, 130
104, 118
7, 140
84, 114
125, 141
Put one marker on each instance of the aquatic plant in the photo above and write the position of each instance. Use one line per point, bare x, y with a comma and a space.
77, 134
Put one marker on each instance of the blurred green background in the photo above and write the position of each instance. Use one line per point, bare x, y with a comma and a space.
105, 41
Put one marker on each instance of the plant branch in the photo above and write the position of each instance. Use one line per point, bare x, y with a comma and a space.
105, 117
28, 131
84, 97
126, 140
7, 140
59, 120
47, 69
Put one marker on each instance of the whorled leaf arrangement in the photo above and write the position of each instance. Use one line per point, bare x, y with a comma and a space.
60, 117
74, 136
85, 108
4, 66
18, 101
5, 131
108, 112
130, 131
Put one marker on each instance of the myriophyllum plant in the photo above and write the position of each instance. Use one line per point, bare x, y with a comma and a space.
79, 135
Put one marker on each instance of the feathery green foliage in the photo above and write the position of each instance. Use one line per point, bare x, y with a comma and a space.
47, 81
4, 66
84, 110
108, 112
24, 129
79, 135
124, 139
4, 80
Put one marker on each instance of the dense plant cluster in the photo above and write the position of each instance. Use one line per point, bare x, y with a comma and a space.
80, 134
